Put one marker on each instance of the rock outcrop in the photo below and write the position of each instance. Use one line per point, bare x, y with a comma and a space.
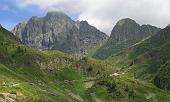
57, 31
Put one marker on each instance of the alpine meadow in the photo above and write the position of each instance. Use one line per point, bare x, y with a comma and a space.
84, 51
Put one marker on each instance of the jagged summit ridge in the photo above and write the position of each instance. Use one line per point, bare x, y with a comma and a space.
57, 31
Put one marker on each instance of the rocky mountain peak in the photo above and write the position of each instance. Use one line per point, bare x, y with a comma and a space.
19, 29
125, 21
57, 31
57, 15
124, 28
125, 33
84, 22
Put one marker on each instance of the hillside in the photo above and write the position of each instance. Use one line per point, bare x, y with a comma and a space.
148, 60
125, 33
29, 75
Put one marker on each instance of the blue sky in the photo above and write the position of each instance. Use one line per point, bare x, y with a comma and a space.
103, 14
11, 14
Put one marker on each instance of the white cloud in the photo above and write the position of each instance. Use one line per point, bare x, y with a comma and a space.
103, 14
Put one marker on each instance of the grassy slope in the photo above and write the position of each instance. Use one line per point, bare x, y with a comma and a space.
31, 74
124, 88
54, 76
149, 59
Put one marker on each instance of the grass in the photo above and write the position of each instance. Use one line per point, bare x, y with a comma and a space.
50, 76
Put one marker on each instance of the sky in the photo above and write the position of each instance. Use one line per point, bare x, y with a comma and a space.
103, 14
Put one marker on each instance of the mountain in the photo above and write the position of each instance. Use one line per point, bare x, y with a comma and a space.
125, 33
30, 75
57, 31
148, 60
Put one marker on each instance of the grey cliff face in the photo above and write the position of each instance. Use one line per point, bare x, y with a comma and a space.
86, 37
57, 31
19, 29
125, 33
128, 29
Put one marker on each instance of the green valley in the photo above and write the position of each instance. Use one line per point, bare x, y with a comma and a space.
30, 75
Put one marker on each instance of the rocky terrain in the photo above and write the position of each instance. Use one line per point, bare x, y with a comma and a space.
57, 31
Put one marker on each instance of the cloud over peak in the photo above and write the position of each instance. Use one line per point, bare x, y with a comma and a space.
103, 14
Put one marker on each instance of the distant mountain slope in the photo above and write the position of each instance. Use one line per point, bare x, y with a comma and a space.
125, 34
6, 36
148, 59
57, 31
